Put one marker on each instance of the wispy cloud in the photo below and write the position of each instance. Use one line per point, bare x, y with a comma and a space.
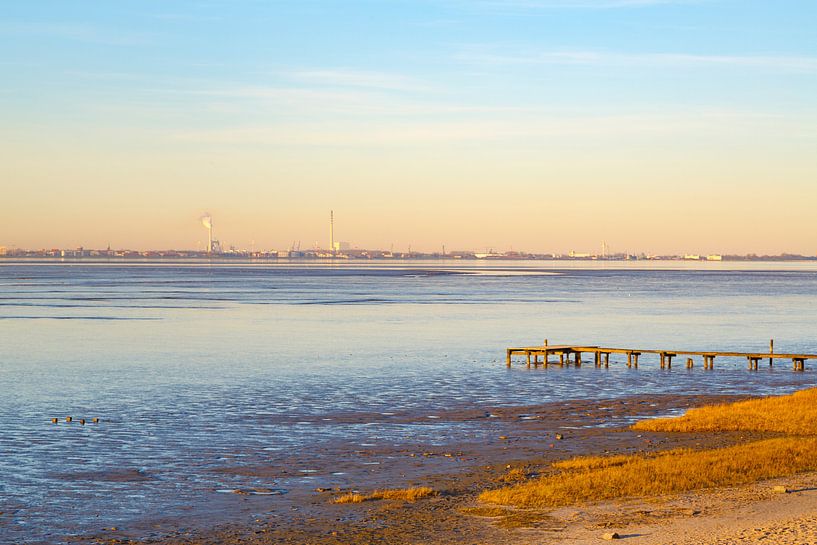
482, 56
574, 4
76, 32
525, 130
185, 17
361, 79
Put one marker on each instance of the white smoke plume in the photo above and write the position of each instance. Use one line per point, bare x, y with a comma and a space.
207, 221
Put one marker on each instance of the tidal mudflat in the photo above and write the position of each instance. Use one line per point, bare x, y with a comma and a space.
233, 394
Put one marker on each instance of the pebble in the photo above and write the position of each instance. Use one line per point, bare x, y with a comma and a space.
780, 490
610, 535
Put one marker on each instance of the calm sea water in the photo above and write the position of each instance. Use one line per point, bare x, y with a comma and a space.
192, 366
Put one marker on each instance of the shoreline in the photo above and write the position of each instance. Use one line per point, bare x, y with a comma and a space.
526, 439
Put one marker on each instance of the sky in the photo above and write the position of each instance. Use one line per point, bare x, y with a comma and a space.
658, 126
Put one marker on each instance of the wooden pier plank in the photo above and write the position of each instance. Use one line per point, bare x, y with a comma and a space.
564, 351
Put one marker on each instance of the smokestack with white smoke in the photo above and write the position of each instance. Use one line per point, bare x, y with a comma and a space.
207, 221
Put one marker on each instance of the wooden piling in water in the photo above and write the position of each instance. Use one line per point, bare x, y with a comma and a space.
753, 362
771, 351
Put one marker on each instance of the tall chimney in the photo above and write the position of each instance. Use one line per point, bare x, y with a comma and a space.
332, 232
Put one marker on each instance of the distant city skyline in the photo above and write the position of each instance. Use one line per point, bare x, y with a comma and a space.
211, 245
660, 126
205, 237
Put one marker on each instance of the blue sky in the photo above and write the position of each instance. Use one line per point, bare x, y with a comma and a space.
386, 107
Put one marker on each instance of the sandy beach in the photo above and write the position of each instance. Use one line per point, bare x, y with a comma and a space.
750, 514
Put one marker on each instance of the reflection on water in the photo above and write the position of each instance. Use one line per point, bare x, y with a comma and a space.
194, 369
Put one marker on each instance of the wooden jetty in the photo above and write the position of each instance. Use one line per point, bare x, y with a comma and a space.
601, 356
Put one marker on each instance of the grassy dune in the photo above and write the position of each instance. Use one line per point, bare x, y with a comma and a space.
401, 494
794, 414
596, 478
589, 479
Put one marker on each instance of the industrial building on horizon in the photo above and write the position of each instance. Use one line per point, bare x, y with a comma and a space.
344, 250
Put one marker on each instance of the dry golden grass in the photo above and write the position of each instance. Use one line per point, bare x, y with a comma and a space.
515, 475
350, 498
590, 479
592, 462
794, 414
488, 512
401, 494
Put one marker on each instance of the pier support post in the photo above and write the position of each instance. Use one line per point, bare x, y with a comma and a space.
578, 359
508, 357
606, 360
635, 359
527, 353
690, 363
629, 359
771, 351
753, 362
545, 363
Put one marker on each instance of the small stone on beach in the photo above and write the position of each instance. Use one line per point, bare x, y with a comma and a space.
780, 490
610, 535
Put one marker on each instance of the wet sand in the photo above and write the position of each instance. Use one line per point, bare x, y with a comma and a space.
524, 437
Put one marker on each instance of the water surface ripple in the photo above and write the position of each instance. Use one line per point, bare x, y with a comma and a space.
195, 368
